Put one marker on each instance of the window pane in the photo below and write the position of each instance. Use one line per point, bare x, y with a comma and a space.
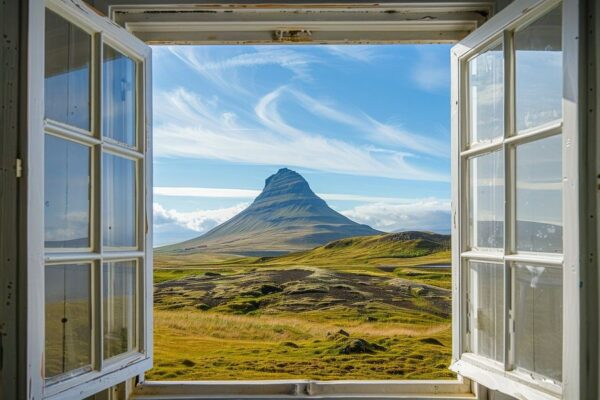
538, 319
67, 77
486, 95
119, 290
538, 72
486, 201
118, 91
68, 318
539, 196
486, 313
119, 201
66, 194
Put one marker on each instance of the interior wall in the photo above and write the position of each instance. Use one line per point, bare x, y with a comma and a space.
10, 13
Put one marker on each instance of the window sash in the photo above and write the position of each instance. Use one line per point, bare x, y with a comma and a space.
134, 362
499, 27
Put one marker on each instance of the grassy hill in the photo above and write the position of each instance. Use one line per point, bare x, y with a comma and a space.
374, 307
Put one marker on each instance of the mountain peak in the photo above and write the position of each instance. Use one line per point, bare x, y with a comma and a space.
286, 182
286, 216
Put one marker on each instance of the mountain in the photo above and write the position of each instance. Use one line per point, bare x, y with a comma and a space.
287, 216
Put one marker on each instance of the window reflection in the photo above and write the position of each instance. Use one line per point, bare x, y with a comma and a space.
486, 95
486, 197
538, 72
538, 325
119, 288
486, 314
67, 76
68, 318
66, 194
539, 196
119, 197
118, 91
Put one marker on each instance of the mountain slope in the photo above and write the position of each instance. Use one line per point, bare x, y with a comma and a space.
287, 216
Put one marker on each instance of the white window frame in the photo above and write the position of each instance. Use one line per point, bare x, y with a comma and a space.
104, 373
489, 373
403, 31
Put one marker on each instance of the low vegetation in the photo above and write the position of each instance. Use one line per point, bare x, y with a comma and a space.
375, 307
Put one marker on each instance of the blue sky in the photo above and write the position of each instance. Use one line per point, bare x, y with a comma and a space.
367, 126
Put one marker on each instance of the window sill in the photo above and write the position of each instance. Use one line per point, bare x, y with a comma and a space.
304, 389
511, 383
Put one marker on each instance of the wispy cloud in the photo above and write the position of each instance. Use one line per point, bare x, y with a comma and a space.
223, 71
251, 194
191, 127
361, 53
432, 71
387, 134
425, 214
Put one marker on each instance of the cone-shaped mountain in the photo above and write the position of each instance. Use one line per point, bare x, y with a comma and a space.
286, 216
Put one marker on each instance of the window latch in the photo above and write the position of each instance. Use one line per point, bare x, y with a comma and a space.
19, 167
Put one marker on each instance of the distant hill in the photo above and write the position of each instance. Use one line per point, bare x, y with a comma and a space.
369, 249
287, 216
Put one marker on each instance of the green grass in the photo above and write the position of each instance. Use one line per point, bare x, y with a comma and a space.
360, 308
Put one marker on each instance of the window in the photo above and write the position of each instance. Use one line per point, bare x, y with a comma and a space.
511, 161
94, 201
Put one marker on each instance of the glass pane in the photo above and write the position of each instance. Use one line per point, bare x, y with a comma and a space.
118, 179
118, 96
538, 319
486, 95
118, 298
486, 309
486, 201
539, 196
66, 194
538, 72
68, 318
67, 77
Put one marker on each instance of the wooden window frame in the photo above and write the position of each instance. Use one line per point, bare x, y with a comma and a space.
110, 372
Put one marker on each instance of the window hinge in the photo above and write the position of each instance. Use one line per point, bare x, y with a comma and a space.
19, 167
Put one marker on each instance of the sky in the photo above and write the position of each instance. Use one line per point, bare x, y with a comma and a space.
367, 126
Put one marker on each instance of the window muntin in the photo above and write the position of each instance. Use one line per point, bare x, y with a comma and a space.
539, 195
119, 96
532, 192
67, 72
119, 285
537, 303
119, 201
486, 309
67, 193
68, 318
486, 95
81, 165
538, 72
486, 201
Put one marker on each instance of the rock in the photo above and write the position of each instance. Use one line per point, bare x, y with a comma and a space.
359, 346
431, 341
290, 344
343, 333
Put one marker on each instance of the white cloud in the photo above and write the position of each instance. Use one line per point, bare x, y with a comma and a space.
361, 53
224, 72
199, 221
431, 72
191, 127
425, 214
251, 194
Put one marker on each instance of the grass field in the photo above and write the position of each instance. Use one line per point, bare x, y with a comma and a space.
360, 308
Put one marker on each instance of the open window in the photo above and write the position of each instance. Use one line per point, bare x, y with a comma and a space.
89, 273
514, 298
516, 316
